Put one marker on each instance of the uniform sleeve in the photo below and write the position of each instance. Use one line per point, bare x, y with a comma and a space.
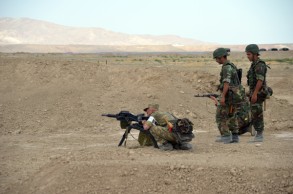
149, 124
159, 118
260, 71
151, 121
227, 73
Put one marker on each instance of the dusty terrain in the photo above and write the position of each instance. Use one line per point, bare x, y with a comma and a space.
54, 140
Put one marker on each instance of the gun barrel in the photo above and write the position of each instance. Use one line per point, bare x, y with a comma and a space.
127, 116
206, 95
202, 95
109, 115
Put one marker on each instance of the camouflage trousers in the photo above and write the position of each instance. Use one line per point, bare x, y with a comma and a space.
144, 139
226, 122
257, 116
161, 134
243, 116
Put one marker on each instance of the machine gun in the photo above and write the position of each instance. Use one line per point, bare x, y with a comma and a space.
130, 121
207, 95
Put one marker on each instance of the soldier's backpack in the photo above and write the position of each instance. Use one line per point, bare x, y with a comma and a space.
183, 130
265, 92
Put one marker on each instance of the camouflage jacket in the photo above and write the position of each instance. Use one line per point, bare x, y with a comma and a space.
228, 74
160, 118
257, 71
236, 93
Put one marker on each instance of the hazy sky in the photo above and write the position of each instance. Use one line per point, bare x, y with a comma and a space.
220, 21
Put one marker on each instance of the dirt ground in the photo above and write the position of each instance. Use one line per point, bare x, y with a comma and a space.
54, 140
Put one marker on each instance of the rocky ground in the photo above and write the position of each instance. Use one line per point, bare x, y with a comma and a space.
54, 140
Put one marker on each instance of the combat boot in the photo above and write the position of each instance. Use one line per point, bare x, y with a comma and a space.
226, 139
257, 138
185, 146
223, 138
251, 130
235, 138
166, 146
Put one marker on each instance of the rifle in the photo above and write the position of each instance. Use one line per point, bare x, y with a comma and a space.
130, 121
207, 95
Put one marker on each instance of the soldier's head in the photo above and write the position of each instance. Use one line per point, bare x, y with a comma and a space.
252, 52
220, 54
151, 108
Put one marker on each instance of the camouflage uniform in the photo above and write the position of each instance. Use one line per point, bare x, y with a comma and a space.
227, 121
160, 130
243, 117
257, 71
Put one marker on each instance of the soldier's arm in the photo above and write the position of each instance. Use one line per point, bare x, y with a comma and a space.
149, 123
146, 125
214, 99
225, 90
227, 73
260, 71
256, 90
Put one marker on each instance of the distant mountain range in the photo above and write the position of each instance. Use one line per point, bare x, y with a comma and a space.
29, 31
35, 36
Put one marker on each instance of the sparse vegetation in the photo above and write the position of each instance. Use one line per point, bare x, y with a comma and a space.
158, 60
285, 60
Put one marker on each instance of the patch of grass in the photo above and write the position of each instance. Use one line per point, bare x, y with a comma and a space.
158, 60
285, 60
137, 60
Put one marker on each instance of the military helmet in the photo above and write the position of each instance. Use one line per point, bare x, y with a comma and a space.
253, 48
219, 52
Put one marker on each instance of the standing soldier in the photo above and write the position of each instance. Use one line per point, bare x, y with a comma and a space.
232, 95
256, 80
243, 118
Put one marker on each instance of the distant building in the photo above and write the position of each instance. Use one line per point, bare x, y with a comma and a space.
262, 49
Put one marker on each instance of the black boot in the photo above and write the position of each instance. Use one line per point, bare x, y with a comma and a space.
185, 146
259, 136
235, 138
166, 146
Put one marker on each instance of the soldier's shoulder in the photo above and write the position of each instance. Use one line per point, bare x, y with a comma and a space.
227, 63
233, 66
156, 114
227, 67
261, 62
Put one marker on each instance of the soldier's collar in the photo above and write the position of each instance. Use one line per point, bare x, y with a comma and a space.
256, 62
227, 62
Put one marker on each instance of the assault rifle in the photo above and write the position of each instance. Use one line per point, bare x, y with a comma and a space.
207, 95
130, 121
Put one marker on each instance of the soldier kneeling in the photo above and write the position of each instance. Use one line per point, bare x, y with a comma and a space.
169, 131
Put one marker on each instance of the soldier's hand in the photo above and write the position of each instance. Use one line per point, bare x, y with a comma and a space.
253, 98
214, 99
222, 101
145, 126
